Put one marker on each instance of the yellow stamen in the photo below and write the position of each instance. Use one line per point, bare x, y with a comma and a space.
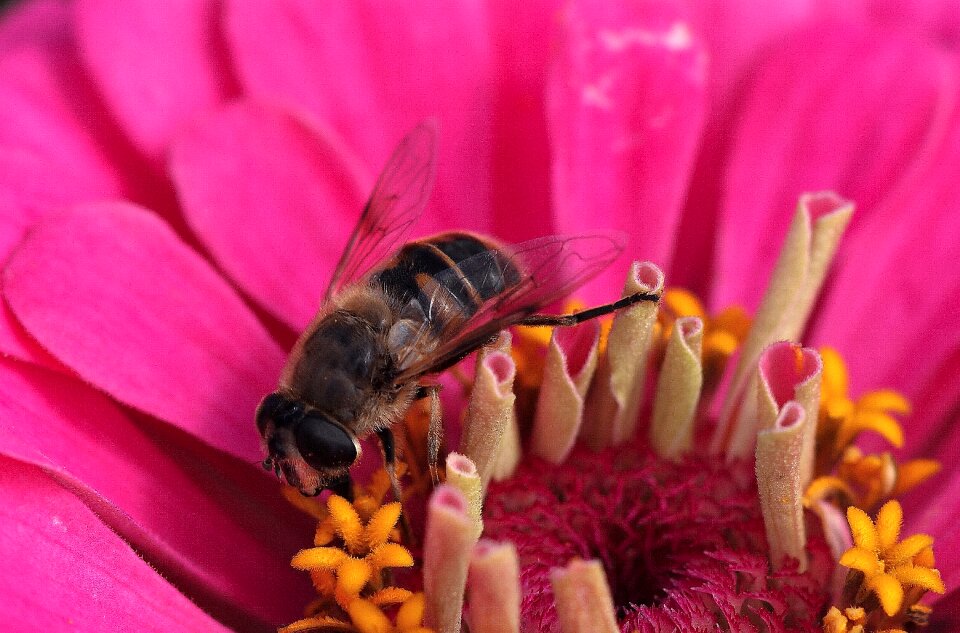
352, 576
390, 555
353, 549
828, 487
347, 521
842, 419
410, 614
913, 473
888, 590
308, 505
368, 617
889, 565
381, 524
873, 478
318, 557
390, 595
850, 620
322, 623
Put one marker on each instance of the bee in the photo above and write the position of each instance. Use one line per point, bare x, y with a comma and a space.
394, 315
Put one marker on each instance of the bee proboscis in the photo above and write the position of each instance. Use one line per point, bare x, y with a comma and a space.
395, 314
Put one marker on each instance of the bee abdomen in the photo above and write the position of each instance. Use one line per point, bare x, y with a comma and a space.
468, 268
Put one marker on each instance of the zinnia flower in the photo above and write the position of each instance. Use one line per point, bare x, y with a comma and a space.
178, 180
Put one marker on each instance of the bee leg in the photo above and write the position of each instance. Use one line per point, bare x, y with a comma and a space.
390, 459
435, 430
434, 433
390, 464
567, 320
343, 486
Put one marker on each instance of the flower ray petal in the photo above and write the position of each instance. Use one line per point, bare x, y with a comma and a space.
135, 294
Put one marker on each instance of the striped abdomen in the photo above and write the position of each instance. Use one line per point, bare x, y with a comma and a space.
470, 270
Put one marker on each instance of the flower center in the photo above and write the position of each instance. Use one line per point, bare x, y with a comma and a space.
680, 542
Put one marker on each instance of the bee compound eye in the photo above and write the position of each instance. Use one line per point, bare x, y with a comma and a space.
324, 444
267, 409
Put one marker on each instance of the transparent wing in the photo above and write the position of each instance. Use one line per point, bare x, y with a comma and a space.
539, 273
398, 198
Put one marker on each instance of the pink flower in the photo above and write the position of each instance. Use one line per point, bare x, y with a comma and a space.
177, 182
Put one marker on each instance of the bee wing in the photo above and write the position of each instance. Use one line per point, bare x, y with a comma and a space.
546, 269
398, 198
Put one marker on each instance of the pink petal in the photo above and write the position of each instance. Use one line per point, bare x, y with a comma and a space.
520, 178
110, 291
54, 117
48, 156
625, 107
784, 367
30, 185
936, 20
373, 71
891, 309
65, 570
274, 199
934, 508
157, 63
832, 107
44, 124
187, 514
946, 613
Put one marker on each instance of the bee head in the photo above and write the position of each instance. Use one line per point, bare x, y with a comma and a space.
306, 444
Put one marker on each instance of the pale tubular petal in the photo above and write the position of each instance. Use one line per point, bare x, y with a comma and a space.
616, 392
830, 214
462, 474
493, 588
510, 452
584, 602
794, 284
446, 551
785, 372
778, 481
490, 414
568, 368
678, 390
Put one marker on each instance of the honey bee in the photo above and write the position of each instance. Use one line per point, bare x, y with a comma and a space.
392, 317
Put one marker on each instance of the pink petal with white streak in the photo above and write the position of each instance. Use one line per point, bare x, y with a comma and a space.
111, 292
626, 100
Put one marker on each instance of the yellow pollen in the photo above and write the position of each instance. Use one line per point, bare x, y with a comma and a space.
842, 419
367, 616
354, 543
889, 565
874, 478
